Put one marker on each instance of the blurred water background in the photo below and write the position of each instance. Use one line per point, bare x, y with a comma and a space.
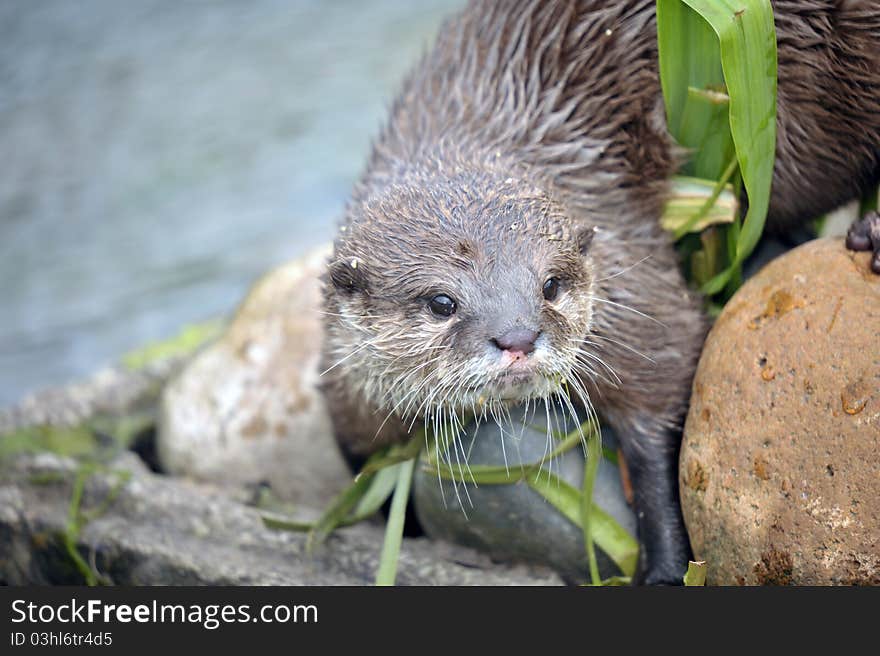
159, 155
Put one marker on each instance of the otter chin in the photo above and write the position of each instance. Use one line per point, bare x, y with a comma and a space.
503, 244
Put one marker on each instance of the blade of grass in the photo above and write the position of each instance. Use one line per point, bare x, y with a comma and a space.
747, 40
286, 524
697, 219
695, 204
492, 474
690, 70
74, 526
611, 537
338, 511
395, 454
591, 466
369, 490
380, 487
394, 528
77, 518
710, 50
696, 573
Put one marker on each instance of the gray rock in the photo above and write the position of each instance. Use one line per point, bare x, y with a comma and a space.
512, 522
168, 531
114, 391
247, 409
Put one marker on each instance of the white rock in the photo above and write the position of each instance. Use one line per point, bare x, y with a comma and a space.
247, 409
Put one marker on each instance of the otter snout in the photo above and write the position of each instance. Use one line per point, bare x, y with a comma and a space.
517, 340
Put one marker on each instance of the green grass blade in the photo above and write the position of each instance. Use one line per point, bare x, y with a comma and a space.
379, 490
500, 474
747, 39
718, 73
338, 512
690, 70
74, 525
611, 537
591, 466
394, 454
394, 528
696, 204
286, 524
367, 502
696, 573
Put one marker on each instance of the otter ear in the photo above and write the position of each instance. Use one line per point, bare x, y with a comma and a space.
348, 275
584, 237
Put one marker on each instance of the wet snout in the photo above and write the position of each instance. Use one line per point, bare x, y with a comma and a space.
517, 341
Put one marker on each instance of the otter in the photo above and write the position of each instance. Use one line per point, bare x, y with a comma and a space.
503, 244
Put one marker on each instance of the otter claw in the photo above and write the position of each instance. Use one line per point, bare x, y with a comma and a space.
864, 235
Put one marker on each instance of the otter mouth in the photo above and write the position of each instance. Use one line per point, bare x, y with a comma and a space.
516, 378
513, 386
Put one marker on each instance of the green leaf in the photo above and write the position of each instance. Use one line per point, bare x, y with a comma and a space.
77, 518
708, 49
394, 528
286, 524
696, 573
369, 499
690, 67
591, 466
338, 512
380, 489
616, 581
395, 454
611, 537
369, 490
696, 204
747, 38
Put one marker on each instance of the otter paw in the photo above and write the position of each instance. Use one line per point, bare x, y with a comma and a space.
668, 574
864, 235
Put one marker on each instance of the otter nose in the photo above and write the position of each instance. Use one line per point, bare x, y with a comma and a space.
521, 340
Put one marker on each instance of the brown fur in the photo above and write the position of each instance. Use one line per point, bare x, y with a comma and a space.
547, 116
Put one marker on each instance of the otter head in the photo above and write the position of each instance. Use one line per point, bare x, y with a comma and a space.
460, 292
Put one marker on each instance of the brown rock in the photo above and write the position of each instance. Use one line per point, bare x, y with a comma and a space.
247, 409
780, 465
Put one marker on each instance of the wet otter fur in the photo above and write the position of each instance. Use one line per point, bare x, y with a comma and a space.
503, 244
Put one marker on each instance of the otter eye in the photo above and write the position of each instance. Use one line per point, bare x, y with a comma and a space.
442, 305
551, 289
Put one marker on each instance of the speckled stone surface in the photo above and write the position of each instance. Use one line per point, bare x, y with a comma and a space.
247, 409
780, 466
161, 530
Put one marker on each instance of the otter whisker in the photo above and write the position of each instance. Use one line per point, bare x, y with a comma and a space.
439, 477
408, 395
339, 362
350, 317
595, 358
621, 344
591, 373
544, 455
588, 406
623, 271
628, 308
445, 426
456, 437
